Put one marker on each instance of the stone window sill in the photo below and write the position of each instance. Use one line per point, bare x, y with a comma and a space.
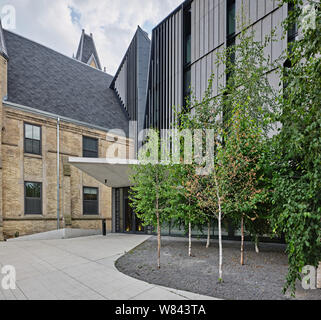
34, 156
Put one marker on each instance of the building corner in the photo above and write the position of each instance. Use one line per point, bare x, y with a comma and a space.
4, 92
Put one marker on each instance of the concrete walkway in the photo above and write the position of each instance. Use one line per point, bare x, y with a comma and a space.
78, 269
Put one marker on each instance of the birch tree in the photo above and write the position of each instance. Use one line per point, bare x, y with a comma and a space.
242, 168
250, 109
185, 200
152, 189
204, 116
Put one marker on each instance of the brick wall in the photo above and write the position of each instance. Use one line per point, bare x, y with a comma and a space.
19, 167
3, 93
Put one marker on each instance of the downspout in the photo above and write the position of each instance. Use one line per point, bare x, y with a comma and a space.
58, 171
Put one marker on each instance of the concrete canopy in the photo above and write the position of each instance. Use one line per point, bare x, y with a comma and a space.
113, 173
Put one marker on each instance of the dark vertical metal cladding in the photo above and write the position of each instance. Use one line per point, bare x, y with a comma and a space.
165, 85
130, 81
169, 70
160, 77
211, 26
158, 80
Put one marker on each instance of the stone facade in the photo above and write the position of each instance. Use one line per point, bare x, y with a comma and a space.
3, 93
17, 167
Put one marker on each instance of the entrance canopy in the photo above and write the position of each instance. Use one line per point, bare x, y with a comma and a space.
113, 173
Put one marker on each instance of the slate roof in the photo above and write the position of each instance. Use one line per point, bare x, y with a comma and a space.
41, 78
86, 49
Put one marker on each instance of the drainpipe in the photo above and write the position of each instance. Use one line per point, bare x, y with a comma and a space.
58, 171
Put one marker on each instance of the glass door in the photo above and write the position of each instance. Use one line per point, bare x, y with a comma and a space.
139, 225
128, 216
132, 224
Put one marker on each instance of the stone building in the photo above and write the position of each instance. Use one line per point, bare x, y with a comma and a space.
52, 104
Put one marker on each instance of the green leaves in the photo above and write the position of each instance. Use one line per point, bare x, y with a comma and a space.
244, 170
297, 172
151, 182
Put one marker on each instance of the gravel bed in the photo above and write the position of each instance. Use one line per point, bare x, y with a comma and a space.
261, 278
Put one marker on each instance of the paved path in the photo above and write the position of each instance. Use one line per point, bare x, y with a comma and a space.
78, 269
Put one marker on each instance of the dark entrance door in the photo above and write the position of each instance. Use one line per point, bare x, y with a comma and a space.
132, 224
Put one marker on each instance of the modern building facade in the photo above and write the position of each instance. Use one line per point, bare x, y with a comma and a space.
186, 43
184, 47
39, 86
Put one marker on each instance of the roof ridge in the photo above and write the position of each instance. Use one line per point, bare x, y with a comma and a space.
57, 52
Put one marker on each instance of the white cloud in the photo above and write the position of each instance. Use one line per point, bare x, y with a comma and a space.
57, 24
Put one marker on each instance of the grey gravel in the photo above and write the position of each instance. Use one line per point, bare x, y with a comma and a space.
262, 277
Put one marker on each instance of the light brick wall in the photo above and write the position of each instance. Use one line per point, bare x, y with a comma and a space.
19, 167
3, 93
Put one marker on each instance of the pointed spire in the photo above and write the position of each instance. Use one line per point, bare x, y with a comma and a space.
87, 52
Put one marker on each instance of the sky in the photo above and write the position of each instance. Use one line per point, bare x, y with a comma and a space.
57, 24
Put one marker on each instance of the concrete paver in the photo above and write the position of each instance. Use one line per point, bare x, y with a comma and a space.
78, 269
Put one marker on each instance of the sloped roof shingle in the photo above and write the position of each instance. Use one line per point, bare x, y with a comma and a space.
41, 78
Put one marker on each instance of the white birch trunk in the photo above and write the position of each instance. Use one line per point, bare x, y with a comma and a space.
242, 240
220, 244
158, 242
219, 229
158, 227
190, 239
208, 235
257, 248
